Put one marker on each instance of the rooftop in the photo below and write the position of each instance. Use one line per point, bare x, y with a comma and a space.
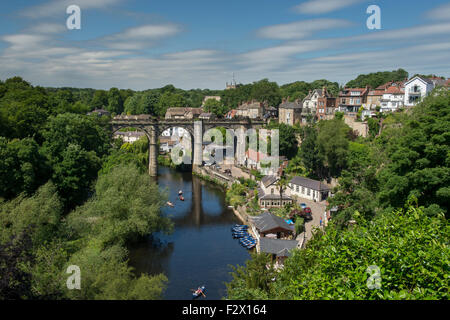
269, 180
267, 221
291, 105
309, 183
279, 247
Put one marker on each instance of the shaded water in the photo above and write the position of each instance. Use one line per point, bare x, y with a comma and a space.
201, 248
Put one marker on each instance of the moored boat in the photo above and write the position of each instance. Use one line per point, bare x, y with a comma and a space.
240, 234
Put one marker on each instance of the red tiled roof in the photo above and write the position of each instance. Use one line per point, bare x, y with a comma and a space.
394, 90
376, 92
348, 91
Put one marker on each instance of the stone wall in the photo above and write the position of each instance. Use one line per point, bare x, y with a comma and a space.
360, 127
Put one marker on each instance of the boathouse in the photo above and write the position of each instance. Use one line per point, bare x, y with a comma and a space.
271, 226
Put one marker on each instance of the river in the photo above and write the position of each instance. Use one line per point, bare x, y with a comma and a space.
201, 248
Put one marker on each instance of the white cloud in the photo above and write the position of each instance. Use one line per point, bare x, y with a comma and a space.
323, 6
301, 29
48, 28
140, 37
440, 13
58, 7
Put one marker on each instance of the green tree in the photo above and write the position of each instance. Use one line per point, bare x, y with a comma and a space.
64, 129
265, 91
74, 173
170, 100
115, 102
333, 150
113, 215
38, 214
252, 281
23, 167
309, 153
216, 107
377, 79
100, 99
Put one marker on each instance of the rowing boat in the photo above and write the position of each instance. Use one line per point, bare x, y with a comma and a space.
199, 292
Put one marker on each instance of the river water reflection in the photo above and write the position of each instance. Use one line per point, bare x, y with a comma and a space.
201, 248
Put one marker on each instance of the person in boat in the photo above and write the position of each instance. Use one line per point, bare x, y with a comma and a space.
180, 192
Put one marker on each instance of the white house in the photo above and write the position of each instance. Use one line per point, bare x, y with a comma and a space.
269, 193
309, 189
311, 100
166, 144
393, 99
417, 89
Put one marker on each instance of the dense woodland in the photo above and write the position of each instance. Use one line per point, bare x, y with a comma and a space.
65, 200
64, 195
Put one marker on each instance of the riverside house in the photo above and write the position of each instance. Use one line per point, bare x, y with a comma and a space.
271, 226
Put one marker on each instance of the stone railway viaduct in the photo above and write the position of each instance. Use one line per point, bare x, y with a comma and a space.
153, 127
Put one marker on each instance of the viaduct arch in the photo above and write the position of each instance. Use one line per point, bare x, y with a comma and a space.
153, 127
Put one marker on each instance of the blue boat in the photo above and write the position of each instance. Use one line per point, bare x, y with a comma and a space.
249, 245
247, 241
241, 231
239, 227
240, 235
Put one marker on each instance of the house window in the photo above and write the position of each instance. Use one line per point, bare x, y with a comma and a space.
303, 190
272, 191
297, 188
309, 192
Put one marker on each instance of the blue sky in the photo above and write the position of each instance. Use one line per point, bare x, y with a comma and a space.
141, 44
